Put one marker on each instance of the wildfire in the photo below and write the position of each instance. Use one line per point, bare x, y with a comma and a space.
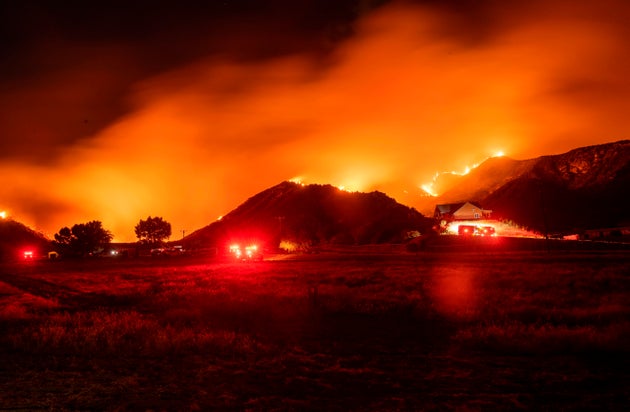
3, 214
298, 180
429, 188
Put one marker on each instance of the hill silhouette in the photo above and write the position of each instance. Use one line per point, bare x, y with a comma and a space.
313, 215
581, 189
16, 237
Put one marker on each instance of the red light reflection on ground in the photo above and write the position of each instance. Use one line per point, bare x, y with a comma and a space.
455, 293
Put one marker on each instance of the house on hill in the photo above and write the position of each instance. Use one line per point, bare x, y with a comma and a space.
461, 211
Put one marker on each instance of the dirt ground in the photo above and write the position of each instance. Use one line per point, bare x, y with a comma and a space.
481, 329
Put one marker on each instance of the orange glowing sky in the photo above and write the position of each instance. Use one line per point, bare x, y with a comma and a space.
408, 89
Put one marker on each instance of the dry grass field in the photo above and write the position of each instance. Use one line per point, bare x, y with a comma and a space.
482, 330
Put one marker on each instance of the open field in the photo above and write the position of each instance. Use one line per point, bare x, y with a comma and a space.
475, 330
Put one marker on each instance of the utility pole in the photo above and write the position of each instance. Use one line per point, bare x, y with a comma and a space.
281, 221
544, 215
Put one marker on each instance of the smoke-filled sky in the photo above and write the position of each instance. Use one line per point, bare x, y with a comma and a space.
115, 112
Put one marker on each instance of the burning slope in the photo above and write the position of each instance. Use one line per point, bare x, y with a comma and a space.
443, 180
583, 188
486, 178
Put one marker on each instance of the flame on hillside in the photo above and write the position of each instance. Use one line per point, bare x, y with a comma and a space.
298, 180
350, 187
429, 188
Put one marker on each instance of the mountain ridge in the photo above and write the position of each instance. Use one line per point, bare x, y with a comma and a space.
314, 214
584, 188
580, 189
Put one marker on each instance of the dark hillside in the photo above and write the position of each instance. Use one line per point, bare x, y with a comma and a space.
584, 188
314, 214
16, 237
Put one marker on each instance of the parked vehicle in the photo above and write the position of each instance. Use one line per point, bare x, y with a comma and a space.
466, 230
251, 252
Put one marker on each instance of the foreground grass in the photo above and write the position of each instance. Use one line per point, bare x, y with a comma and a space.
398, 331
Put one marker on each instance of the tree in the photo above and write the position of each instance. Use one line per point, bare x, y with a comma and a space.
153, 231
82, 239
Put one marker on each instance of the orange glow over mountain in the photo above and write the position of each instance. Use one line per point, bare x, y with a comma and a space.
403, 97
